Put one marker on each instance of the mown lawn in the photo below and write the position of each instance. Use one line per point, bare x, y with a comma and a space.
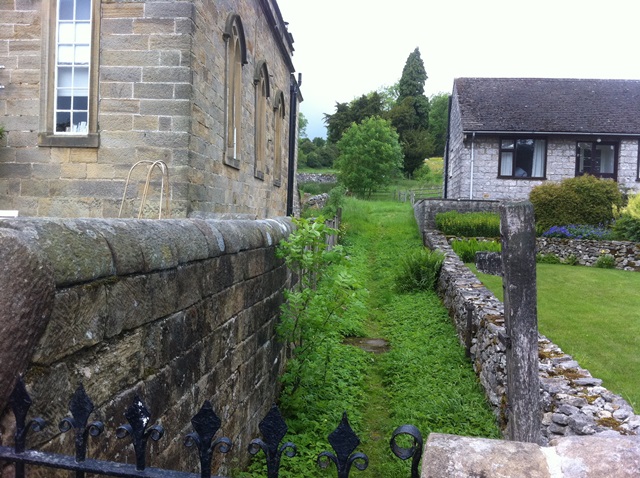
594, 315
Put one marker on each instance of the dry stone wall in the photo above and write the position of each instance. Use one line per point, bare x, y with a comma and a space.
587, 252
175, 311
573, 402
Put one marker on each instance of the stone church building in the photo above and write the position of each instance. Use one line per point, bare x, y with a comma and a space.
199, 95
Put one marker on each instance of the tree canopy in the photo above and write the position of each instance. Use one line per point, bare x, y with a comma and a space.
356, 111
370, 156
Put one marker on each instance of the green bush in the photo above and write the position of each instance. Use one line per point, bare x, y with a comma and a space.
467, 249
580, 200
605, 261
627, 226
548, 259
471, 224
419, 271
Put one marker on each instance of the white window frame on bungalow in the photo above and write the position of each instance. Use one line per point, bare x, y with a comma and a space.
262, 94
69, 87
519, 161
590, 155
236, 57
278, 141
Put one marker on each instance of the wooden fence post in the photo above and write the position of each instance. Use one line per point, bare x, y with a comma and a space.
517, 227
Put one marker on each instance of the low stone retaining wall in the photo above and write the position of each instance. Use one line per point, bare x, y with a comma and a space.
587, 252
574, 402
175, 311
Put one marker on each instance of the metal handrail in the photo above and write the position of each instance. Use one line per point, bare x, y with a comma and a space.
164, 170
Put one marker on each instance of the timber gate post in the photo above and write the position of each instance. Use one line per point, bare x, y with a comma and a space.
517, 228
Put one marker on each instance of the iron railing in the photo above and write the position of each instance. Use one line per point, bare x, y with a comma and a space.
205, 423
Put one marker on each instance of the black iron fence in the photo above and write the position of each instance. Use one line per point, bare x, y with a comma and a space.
205, 423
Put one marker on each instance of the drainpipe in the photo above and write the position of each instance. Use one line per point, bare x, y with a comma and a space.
473, 144
294, 92
445, 173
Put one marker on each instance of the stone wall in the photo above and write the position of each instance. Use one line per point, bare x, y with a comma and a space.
587, 252
176, 311
425, 210
160, 95
573, 402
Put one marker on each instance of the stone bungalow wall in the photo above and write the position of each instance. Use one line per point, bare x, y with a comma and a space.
177, 311
574, 402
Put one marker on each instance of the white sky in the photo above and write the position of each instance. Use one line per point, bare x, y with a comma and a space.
346, 48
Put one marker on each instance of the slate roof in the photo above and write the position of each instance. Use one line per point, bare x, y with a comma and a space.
549, 105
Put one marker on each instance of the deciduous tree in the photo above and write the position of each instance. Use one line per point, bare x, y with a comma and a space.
370, 156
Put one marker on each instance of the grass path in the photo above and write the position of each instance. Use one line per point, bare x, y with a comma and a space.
425, 379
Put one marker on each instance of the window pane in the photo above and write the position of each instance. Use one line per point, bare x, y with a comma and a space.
606, 153
65, 77
66, 10
507, 144
65, 55
584, 157
80, 103
506, 165
81, 78
537, 169
83, 33
65, 33
83, 9
63, 122
523, 162
83, 55
64, 102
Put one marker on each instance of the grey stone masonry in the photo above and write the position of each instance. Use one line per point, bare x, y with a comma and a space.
572, 401
175, 311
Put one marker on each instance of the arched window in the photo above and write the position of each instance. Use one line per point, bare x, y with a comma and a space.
236, 57
278, 140
261, 82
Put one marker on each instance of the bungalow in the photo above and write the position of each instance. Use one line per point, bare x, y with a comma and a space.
507, 135
199, 92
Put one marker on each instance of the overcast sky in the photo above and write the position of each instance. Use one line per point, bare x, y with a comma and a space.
346, 48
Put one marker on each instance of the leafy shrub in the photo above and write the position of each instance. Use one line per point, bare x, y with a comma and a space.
548, 259
470, 224
571, 260
579, 231
580, 200
605, 261
467, 249
419, 271
335, 201
627, 226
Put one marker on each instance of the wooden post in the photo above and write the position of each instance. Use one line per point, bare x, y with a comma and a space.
517, 227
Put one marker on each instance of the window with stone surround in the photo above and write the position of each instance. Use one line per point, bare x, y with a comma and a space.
597, 158
236, 57
261, 82
69, 82
278, 141
522, 158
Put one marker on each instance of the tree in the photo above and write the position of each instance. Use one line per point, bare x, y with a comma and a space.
303, 122
389, 95
413, 77
356, 111
410, 115
438, 119
370, 156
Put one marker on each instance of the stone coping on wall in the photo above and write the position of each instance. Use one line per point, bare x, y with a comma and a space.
573, 402
84, 250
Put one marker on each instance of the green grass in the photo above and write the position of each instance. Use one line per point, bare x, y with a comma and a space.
593, 315
425, 379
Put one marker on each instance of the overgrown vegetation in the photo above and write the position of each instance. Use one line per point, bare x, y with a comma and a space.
425, 379
466, 249
471, 224
419, 271
580, 200
592, 314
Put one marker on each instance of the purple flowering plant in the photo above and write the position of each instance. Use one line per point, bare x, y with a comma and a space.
579, 231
